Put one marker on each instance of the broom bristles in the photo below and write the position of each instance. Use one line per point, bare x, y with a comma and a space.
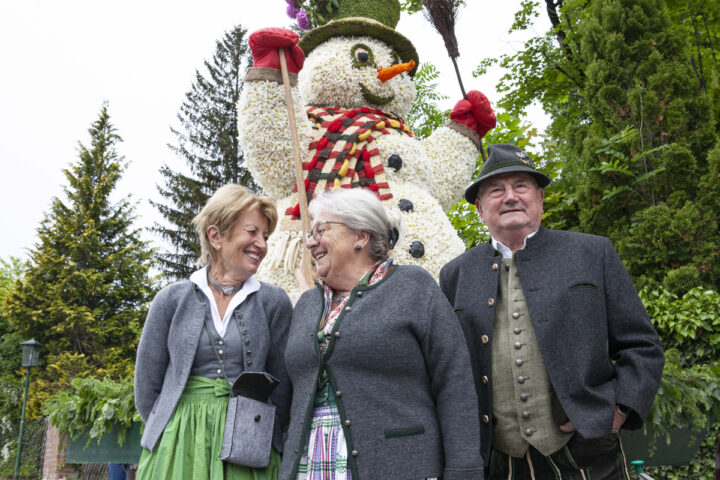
441, 14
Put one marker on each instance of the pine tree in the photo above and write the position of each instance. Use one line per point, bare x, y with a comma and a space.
85, 287
208, 143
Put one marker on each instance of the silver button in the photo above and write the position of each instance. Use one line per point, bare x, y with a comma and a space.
348, 309
526, 414
485, 379
521, 379
354, 453
249, 352
219, 371
359, 294
338, 393
220, 352
247, 342
528, 431
249, 363
347, 423
220, 342
517, 331
524, 397
519, 362
244, 332
491, 302
518, 345
484, 339
495, 267
486, 419
337, 334
516, 315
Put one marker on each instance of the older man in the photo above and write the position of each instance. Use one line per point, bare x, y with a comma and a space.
563, 352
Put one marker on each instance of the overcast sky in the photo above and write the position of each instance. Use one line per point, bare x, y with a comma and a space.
60, 60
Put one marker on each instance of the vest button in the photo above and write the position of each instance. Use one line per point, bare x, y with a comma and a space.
219, 371
521, 379
348, 309
486, 419
524, 397
495, 267
484, 339
485, 379
491, 302
528, 431
526, 414
220, 342
337, 334
354, 453
359, 294
347, 423
516, 315
517, 331
338, 393
519, 362
220, 352
518, 345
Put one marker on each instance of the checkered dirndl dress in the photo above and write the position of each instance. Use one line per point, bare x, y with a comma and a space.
326, 457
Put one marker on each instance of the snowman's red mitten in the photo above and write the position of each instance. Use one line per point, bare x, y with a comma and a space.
476, 114
264, 46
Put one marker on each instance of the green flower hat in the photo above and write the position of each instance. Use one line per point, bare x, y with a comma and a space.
374, 18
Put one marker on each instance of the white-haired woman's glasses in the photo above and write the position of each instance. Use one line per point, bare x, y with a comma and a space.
317, 230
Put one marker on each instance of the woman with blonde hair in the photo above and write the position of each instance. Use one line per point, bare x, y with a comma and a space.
201, 334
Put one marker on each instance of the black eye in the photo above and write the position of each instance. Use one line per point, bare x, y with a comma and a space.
362, 56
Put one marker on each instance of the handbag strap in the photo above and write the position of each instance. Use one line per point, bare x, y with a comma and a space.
217, 354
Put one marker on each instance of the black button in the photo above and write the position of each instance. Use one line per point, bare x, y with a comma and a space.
395, 162
417, 249
507, 268
405, 205
257, 418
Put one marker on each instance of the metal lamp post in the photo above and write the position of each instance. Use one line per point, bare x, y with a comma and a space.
30, 358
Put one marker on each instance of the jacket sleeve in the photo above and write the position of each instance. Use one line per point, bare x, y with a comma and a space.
152, 355
279, 324
452, 386
633, 343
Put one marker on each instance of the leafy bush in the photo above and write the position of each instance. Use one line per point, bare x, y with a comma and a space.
93, 406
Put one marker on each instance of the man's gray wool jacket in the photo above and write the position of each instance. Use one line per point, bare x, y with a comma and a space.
596, 339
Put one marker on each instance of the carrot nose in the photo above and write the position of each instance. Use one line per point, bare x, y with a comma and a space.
385, 74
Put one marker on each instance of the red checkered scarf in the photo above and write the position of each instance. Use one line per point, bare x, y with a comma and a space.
344, 154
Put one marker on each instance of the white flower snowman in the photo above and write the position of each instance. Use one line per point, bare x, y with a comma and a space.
350, 95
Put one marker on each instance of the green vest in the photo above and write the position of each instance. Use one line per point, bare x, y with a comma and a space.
526, 410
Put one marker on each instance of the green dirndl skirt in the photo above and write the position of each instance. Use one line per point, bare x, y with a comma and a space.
190, 445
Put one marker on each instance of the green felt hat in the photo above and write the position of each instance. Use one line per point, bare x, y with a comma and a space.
374, 18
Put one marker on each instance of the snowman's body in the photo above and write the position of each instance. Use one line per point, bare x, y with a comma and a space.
421, 178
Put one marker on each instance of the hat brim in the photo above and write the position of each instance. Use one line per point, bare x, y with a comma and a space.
358, 26
471, 192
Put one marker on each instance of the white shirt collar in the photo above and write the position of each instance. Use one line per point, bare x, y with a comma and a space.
199, 278
505, 251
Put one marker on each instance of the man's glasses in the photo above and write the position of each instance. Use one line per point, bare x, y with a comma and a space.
317, 230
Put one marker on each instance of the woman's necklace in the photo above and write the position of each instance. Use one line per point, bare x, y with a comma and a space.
226, 290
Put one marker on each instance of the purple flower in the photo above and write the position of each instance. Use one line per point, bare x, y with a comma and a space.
302, 20
292, 11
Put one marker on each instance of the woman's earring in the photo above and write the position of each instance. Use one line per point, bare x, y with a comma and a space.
358, 248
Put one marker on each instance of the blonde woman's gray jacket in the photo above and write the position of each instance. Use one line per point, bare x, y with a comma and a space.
174, 326
400, 370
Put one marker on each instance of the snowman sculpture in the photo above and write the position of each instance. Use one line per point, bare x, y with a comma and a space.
350, 96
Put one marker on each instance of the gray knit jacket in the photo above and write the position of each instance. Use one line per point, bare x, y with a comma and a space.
174, 326
400, 368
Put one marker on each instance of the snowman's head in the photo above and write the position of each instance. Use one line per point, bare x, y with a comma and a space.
344, 71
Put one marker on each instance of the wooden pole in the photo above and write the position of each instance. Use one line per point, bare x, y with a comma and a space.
306, 270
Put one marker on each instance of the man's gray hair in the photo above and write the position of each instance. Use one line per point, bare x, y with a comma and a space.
361, 210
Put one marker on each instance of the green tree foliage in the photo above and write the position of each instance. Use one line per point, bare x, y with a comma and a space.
207, 142
424, 115
85, 288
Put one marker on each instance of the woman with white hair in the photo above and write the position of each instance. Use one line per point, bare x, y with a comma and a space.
382, 385
201, 334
